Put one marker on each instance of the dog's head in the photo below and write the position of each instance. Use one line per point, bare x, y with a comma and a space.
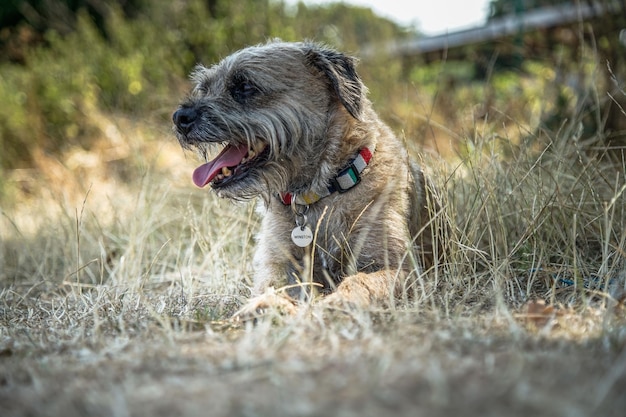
276, 108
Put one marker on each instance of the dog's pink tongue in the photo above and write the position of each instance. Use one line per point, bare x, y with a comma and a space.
231, 156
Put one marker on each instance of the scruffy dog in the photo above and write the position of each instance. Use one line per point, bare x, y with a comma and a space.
346, 213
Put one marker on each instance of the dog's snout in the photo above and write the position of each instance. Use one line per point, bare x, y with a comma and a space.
184, 118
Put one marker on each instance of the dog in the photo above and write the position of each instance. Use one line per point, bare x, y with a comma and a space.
346, 214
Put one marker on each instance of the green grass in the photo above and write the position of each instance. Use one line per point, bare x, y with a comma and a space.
118, 279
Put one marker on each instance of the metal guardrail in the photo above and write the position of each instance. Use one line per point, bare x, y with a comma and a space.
541, 18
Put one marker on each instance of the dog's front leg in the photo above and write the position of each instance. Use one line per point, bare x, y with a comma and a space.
274, 290
363, 290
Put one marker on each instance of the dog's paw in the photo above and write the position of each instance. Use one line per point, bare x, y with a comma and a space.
267, 305
341, 301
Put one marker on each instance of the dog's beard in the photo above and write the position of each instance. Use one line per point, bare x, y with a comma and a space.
285, 155
264, 181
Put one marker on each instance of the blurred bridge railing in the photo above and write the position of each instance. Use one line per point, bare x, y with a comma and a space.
541, 18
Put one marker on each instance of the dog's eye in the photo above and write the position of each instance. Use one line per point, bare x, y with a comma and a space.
243, 90
202, 89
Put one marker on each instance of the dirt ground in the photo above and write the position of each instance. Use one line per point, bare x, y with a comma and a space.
69, 355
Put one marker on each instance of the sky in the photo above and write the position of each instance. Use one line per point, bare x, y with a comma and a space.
431, 17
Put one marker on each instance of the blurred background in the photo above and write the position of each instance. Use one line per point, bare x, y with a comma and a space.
87, 87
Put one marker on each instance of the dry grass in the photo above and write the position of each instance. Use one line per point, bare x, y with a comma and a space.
117, 285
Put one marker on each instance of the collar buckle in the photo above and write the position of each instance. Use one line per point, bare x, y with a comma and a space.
346, 179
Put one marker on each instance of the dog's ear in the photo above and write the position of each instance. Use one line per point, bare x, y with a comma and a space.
341, 72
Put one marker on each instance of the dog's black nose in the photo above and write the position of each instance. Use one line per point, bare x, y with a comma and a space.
184, 118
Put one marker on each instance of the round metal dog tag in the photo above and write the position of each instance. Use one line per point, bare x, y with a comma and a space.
302, 236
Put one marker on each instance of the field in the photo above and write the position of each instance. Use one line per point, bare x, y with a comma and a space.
117, 292
119, 278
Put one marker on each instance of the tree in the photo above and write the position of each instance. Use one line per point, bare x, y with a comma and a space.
602, 36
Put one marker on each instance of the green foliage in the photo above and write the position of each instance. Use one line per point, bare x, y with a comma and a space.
344, 26
13, 113
134, 59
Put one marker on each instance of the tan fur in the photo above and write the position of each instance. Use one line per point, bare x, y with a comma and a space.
363, 236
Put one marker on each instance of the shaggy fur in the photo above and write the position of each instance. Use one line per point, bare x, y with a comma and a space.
303, 107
